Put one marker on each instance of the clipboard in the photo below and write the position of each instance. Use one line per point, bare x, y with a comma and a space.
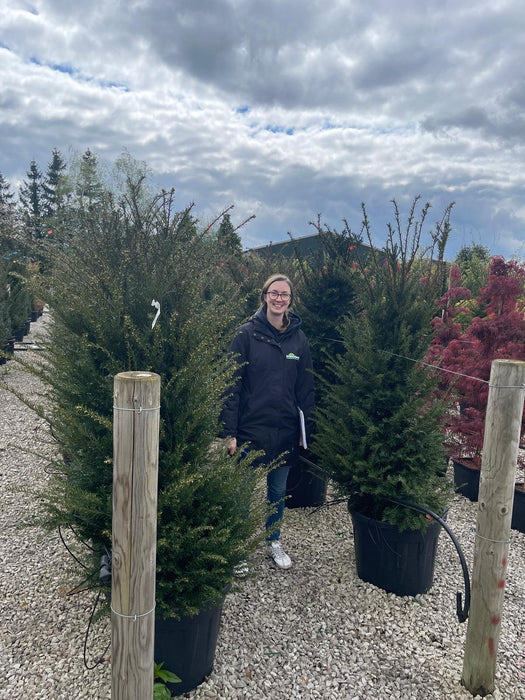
303, 428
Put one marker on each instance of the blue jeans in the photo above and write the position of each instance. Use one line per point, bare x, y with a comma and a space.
276, 442
276, 490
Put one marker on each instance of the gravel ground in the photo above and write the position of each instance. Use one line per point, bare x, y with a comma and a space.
315, 631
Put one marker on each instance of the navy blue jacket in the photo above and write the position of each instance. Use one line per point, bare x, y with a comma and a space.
274, 378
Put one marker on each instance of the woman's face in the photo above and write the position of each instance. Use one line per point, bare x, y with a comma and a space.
274, 299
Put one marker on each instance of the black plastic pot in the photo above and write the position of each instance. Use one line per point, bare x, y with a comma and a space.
8, 349
187, 647
398, 562
466, 480
518, 510
306, 485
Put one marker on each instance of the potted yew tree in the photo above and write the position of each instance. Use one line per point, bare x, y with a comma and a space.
326, 293
496, 332
101, 279
378, 429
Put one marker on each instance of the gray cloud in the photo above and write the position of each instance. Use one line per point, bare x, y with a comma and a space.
285, 109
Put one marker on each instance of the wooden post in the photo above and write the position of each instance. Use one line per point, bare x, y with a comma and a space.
134, 540
496, 495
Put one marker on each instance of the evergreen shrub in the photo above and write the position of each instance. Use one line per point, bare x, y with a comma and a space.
101, 279
378, 429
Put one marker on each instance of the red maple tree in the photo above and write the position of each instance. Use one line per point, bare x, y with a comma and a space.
466, 355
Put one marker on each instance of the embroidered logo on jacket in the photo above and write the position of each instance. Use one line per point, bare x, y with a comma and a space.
291, 356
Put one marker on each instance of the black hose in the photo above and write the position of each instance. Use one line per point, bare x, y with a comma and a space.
315, 468
462, 612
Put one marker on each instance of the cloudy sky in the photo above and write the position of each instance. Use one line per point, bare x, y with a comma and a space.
284, 108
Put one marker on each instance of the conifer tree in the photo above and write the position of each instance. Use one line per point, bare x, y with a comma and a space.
7, 197
7, 209
228, 237
9, 252
378, 427
89, 185
103, 280
327, 293
473, 262
30, 195
52, 196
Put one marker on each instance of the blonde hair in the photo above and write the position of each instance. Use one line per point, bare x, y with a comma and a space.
277, 277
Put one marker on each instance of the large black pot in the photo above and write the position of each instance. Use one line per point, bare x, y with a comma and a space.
466, 480
518, 510
187, 647
398, 562
306, 485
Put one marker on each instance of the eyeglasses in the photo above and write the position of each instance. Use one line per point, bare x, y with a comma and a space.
275, 295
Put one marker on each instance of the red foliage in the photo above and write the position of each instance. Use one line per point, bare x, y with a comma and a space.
445, 327
498, 333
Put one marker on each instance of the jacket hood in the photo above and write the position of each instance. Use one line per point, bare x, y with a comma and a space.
260, 318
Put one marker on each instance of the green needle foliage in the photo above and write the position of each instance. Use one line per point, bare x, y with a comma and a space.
102, 276
378, 431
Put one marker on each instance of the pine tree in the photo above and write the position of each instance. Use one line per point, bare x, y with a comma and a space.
30, 195
7, 210
228, 238
52, 197
8, 251
7, 197
89, 186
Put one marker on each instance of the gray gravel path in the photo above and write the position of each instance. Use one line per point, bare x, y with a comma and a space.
315, 631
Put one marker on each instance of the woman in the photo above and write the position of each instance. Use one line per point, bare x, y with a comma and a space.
273, 382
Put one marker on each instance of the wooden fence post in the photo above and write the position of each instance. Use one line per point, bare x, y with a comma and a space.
496, 495
134, 537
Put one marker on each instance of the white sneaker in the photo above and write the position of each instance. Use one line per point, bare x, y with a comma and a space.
277, 553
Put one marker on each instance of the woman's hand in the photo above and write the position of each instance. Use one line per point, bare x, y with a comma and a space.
232, 446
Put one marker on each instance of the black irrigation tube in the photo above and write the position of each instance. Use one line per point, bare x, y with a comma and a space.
461, 611
315, 468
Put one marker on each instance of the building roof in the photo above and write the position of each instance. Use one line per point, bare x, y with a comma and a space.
303, 245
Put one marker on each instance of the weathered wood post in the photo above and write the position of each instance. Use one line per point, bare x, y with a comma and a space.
496, 495
134, 537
